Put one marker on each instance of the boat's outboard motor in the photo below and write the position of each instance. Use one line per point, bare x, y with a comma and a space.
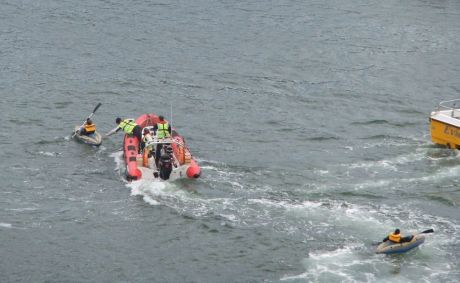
165, 166
168, 150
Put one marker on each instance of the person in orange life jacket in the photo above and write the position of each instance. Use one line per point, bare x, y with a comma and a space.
395, 237
162, 130
88, 128
129, 127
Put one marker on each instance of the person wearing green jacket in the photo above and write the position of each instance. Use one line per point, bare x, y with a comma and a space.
128, 126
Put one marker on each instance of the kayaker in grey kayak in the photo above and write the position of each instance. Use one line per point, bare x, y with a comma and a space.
88, 127
396, 237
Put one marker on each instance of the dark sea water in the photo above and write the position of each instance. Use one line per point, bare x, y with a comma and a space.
309, 120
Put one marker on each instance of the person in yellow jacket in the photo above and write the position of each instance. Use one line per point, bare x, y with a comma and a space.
88, 128
128, 126
162, 130
396, 237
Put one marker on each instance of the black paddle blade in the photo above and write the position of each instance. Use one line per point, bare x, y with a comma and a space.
97, 106
427, 231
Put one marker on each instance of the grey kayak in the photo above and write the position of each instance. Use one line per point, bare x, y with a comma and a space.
389, 247
92, 139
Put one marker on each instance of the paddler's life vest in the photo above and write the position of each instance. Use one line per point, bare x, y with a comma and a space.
89, 129
162, 130
127, 126
396, 238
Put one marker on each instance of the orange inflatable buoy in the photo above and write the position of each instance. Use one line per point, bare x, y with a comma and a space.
193, 171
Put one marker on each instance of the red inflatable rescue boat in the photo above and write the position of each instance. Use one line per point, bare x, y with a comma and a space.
173, 161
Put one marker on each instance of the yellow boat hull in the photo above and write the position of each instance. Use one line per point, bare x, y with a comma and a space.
445, 134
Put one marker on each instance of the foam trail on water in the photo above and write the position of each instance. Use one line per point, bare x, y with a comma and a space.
332, 266
150, 191
50, 154
6, 225
119, 164
438, 176
118, 158
390, 163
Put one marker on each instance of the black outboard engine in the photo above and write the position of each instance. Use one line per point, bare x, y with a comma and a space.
168, 150
165, 166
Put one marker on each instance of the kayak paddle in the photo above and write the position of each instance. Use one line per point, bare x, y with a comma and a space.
427, 231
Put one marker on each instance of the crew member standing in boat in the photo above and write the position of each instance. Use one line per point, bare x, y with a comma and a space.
88, 128
129, 127
395, 237
147, 140
162, 130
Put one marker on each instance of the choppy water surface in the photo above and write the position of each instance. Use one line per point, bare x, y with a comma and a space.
309, 119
